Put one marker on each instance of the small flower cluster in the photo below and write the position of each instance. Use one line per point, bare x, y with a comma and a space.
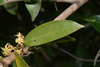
9, 49
20, 39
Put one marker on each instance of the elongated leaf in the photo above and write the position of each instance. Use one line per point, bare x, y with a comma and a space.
14, 64
19, 61
61, 40
34, 9
51, 31
2, 1
94, 21
11, 7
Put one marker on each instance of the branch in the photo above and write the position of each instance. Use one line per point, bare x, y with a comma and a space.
70, 9
6, 61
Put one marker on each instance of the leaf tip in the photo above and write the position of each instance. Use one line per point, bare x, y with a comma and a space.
82, 26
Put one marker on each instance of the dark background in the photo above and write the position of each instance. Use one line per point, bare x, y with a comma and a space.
87, 41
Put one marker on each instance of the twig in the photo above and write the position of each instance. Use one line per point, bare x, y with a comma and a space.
80, 59
45, 55
77, 58
70, 9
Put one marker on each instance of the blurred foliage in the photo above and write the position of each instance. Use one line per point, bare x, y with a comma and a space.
94, 21
19, 61
87, 41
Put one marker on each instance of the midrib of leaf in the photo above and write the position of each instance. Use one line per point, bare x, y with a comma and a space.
51, 33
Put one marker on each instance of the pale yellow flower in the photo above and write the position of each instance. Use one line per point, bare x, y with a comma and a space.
20, 39
19, 35
7, 49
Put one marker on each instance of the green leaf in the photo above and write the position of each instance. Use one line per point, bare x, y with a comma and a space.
34, 9
11, 7
94, 21
61, 40
2, 1
14, 64
19, 61
51, 31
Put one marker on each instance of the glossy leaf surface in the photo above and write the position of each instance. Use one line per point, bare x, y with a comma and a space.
94, 21
11, 7
19, 61
34, 9
51, 31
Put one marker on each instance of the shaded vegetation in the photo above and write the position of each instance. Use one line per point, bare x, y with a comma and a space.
87, 41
